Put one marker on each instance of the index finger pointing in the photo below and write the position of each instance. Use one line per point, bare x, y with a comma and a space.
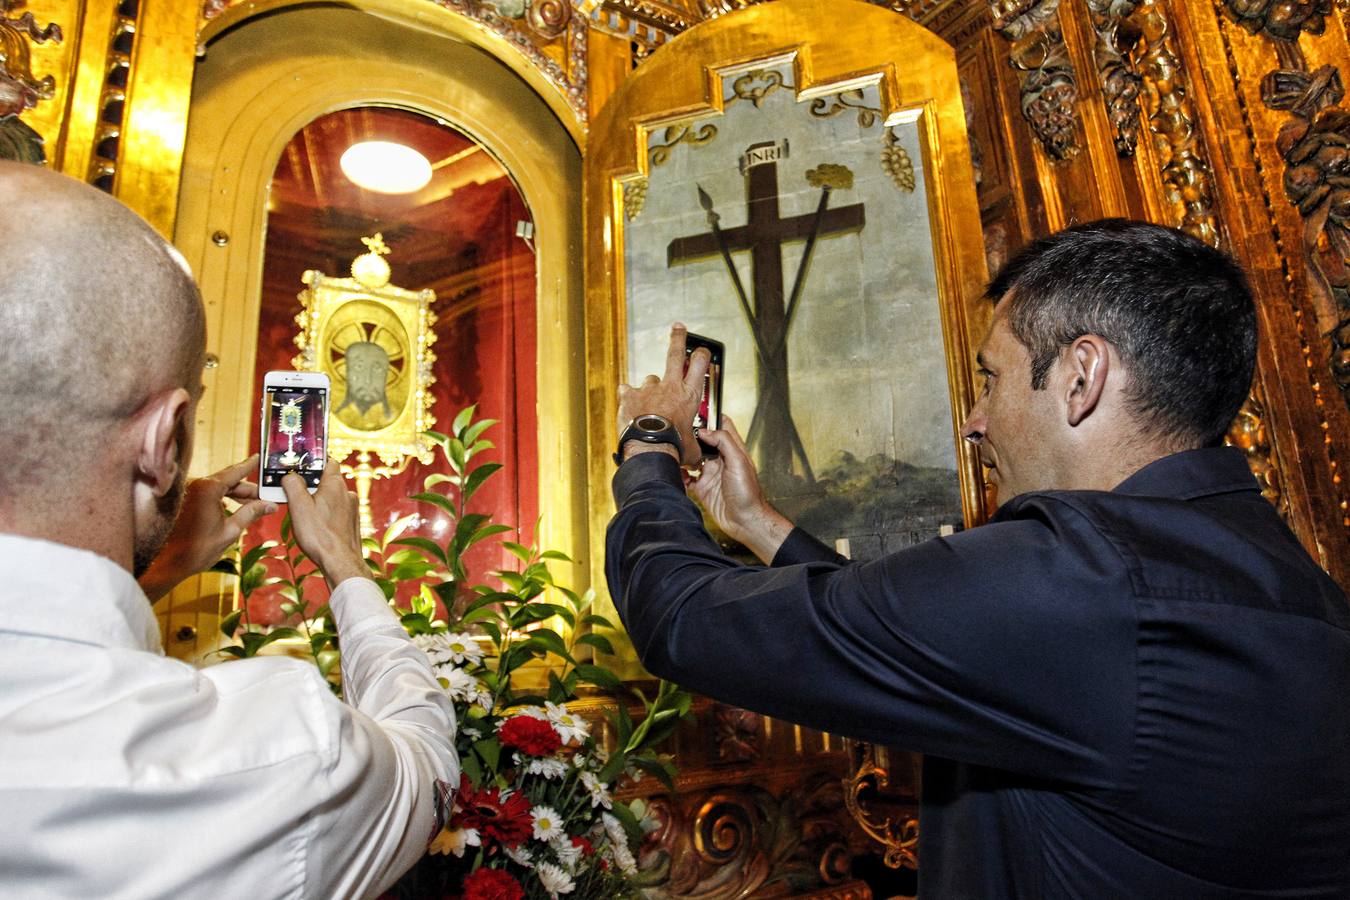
233, 474
675, 355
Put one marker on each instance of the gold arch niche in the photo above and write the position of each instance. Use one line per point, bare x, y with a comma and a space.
256, 86
833, 45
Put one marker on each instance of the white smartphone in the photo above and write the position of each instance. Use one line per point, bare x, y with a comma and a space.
294, 430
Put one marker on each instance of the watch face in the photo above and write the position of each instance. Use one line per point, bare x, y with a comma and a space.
651, 423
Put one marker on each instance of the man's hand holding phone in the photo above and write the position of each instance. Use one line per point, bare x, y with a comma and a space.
203, 529
675, 396
728, 488
327, 525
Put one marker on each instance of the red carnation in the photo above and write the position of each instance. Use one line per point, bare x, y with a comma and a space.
535, 736
587, 848
507, 821
491, 884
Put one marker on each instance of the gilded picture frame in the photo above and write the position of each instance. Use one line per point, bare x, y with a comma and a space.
841, 55
374, 341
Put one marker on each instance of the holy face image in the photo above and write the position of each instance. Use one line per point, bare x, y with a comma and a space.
367, 377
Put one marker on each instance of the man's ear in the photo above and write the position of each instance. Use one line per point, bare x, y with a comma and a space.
1089, 363
163, 422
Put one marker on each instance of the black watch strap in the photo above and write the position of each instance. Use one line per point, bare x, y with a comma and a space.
650, 429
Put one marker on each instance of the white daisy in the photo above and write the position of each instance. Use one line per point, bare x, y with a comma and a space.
569, 727
436, 647
550, 768
534, 712
596, 788
460, 685
618, 844
463, 648
547, 823
519, 855
554, 879
472, 734
569, 854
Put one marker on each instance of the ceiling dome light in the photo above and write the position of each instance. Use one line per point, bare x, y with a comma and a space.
386, 167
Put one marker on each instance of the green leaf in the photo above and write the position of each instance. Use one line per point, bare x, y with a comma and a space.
490, 749
416, 623
327, 659
465, 530
556, 554
438, 478
551, 641
664, 772
230, 623
289, 593
462, 419
425, 603
557, 690
475, 431
255, 555
454, 448
319, 641
397, 528
236, 652
630, 823
412, 570
437, 500
613, 769
492, 631
561, 612
286, 528
388, 587
431, 548
486, 531
598, 641
599, 676
472, 769
598, 622
476, 478
436, 437
519, 551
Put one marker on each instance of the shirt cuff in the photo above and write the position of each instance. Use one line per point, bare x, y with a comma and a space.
359, 606
801, 547
642, 469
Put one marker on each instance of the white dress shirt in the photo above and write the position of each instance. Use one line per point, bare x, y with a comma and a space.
127, 774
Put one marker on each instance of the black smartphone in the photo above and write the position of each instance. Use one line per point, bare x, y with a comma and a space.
710, 407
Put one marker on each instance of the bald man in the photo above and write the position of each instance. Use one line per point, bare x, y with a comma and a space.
123, 773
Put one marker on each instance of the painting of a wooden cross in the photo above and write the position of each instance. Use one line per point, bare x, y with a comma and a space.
772, 437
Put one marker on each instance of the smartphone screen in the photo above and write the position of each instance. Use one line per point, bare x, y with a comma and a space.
709, 413
293, 433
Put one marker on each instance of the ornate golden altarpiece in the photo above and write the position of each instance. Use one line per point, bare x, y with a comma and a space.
1224, 118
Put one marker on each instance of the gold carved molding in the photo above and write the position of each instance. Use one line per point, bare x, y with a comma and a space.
1048, 82
20, 89
897, 829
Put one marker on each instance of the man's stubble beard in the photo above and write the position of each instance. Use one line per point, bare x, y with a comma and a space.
148, 544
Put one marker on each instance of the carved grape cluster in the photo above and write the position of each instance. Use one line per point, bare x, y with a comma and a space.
896, 163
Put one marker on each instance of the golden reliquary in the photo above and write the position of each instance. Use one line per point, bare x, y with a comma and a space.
373, 340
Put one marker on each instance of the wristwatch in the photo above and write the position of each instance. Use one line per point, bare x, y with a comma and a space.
650, 429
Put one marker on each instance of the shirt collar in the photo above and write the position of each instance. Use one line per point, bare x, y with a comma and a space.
1190, 474
53, 590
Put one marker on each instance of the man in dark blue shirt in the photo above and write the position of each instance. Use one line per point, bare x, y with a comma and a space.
1132, 682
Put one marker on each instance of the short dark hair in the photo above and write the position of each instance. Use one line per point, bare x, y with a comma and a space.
1179, 312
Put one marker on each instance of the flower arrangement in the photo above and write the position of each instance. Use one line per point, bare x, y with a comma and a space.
534, 814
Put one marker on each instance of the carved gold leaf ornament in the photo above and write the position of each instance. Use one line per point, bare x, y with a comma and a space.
756, 85
899, 834
660, 150
828, 107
